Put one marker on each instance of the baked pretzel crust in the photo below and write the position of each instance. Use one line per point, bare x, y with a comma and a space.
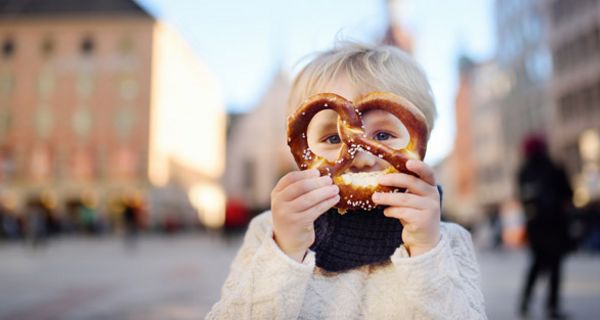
351, 132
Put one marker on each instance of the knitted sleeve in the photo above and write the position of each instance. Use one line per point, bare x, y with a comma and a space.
443, 283
263, 282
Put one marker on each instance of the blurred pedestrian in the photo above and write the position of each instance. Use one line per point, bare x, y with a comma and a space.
87, 218
36, 223
130, 218
545, 194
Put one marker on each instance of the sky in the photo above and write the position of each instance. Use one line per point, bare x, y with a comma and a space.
244, 43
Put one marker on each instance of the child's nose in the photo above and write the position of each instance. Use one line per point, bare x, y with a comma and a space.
363, 161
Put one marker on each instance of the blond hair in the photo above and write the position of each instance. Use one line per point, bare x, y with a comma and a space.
369, 68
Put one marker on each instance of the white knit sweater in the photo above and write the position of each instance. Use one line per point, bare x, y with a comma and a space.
264, 283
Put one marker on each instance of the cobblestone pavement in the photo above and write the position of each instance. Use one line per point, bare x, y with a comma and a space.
504, 271
180, 277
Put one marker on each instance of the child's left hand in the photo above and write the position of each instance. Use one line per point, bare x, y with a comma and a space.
418, 209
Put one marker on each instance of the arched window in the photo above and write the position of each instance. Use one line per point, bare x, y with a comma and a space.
87, 46
8, 48
47, 47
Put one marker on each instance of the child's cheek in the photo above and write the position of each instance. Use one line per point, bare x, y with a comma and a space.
397, 143
327, 151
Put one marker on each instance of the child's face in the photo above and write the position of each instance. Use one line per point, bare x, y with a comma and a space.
324, 140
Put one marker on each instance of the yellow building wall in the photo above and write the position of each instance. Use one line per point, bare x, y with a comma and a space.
188, 124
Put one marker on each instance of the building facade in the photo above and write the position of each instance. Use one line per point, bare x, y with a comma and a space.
462, 158
396, 33
575, 117
257, 151
493, 179
524, 57
499, 102
100, 99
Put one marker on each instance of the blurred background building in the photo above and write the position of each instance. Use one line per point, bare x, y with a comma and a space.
523, 54
542, 80
455, 172
102, 106
493, 181
473, 174
397, 34
257, 152
575, 92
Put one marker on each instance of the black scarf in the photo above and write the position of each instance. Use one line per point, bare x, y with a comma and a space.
357, 238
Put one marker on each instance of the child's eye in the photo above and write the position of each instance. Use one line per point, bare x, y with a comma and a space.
382, 135
333, 139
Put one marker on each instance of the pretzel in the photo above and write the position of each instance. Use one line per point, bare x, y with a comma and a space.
351, 131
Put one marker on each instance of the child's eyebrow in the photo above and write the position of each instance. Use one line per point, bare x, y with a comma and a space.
325, 124
329, 126
388, 120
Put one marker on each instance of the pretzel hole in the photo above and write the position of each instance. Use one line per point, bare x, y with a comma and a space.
385, 128
323, 136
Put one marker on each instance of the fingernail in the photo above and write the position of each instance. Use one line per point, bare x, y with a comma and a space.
334, 188
327, 179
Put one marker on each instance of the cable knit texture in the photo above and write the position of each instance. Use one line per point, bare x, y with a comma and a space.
264, 283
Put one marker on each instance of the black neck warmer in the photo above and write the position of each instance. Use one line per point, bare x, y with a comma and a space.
357, 238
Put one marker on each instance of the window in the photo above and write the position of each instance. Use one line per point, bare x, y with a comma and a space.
5, 124
125, 46
87, 46
8, 48
594, 37
587, 95
564, 103
534, 28
597, 99
538, 65
577, 51
47, 47
7, 84
572, 157
562, 10
7, 163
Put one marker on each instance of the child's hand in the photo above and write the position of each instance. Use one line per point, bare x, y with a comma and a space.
297, 200
418, 209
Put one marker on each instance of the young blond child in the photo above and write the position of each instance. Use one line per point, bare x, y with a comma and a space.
281, 272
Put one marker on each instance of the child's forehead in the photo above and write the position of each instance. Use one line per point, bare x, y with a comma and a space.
342, 86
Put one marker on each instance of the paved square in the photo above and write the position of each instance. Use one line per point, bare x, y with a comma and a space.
179, 277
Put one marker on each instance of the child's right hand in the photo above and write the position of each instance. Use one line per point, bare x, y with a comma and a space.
297, 200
